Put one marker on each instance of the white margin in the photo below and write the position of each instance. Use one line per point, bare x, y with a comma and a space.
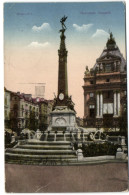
2, 174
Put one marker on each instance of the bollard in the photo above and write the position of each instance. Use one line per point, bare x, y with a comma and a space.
120, 154
38, 134
123, 144
12, 139
123, 141
79, 155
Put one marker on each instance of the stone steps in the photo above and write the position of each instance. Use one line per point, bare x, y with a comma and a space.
59, 136
46, 147
56, 156
37, 152
44, 162
38, 159
33, 151
58, 133
30, 142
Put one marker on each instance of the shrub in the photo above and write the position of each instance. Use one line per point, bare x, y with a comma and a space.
98, 149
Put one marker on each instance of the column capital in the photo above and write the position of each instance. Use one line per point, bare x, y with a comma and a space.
97, 92
118, 91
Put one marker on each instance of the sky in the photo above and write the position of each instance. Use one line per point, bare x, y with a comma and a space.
32, 39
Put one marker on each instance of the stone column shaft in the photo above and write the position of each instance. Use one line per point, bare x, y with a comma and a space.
118, 103
114, 103
101, 105
98, 105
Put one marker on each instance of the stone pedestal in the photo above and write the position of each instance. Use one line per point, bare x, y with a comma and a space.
123, 144
12, 139
63, 117
120, 154
79, 154
38, 134
123, 141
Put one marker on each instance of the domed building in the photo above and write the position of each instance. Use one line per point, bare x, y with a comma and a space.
105, 88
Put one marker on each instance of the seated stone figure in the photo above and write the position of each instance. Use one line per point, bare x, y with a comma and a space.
87, 72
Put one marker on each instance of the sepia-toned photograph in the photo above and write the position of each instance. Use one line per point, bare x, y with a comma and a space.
65, 97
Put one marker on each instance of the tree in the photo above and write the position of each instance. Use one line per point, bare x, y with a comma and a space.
33, 122
123, 121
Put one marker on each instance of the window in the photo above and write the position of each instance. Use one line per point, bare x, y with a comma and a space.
92, 110
91, 94
108, 67
107, 80
15, 114
92, 106
5, 101
91, 82
108, 108
22, 110
15, 107
108, 94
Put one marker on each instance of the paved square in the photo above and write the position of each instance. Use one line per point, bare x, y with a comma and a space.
110, 177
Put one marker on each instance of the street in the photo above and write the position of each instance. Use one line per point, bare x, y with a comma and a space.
110, 177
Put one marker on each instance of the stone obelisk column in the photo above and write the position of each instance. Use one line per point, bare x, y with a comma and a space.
63, 114
62, 96
62, 70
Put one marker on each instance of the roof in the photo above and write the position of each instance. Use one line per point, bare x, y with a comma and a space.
28, 97
113, 50
39, 100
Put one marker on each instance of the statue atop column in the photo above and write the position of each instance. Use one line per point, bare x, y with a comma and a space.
63, 98
63, 114
63, 19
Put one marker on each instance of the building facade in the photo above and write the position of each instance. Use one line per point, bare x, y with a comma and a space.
43, 105
79, 122
49, 109
24, 112
7, 95
105, 88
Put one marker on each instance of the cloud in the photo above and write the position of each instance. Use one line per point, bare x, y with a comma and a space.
99, 33
38, 45
44, 26
84, 27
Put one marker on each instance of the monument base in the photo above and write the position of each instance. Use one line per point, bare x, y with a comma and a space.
63, 117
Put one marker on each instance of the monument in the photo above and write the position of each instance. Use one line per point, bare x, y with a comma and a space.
63, 114
55, 145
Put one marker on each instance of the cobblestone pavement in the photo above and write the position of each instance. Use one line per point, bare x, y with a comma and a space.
111, 177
